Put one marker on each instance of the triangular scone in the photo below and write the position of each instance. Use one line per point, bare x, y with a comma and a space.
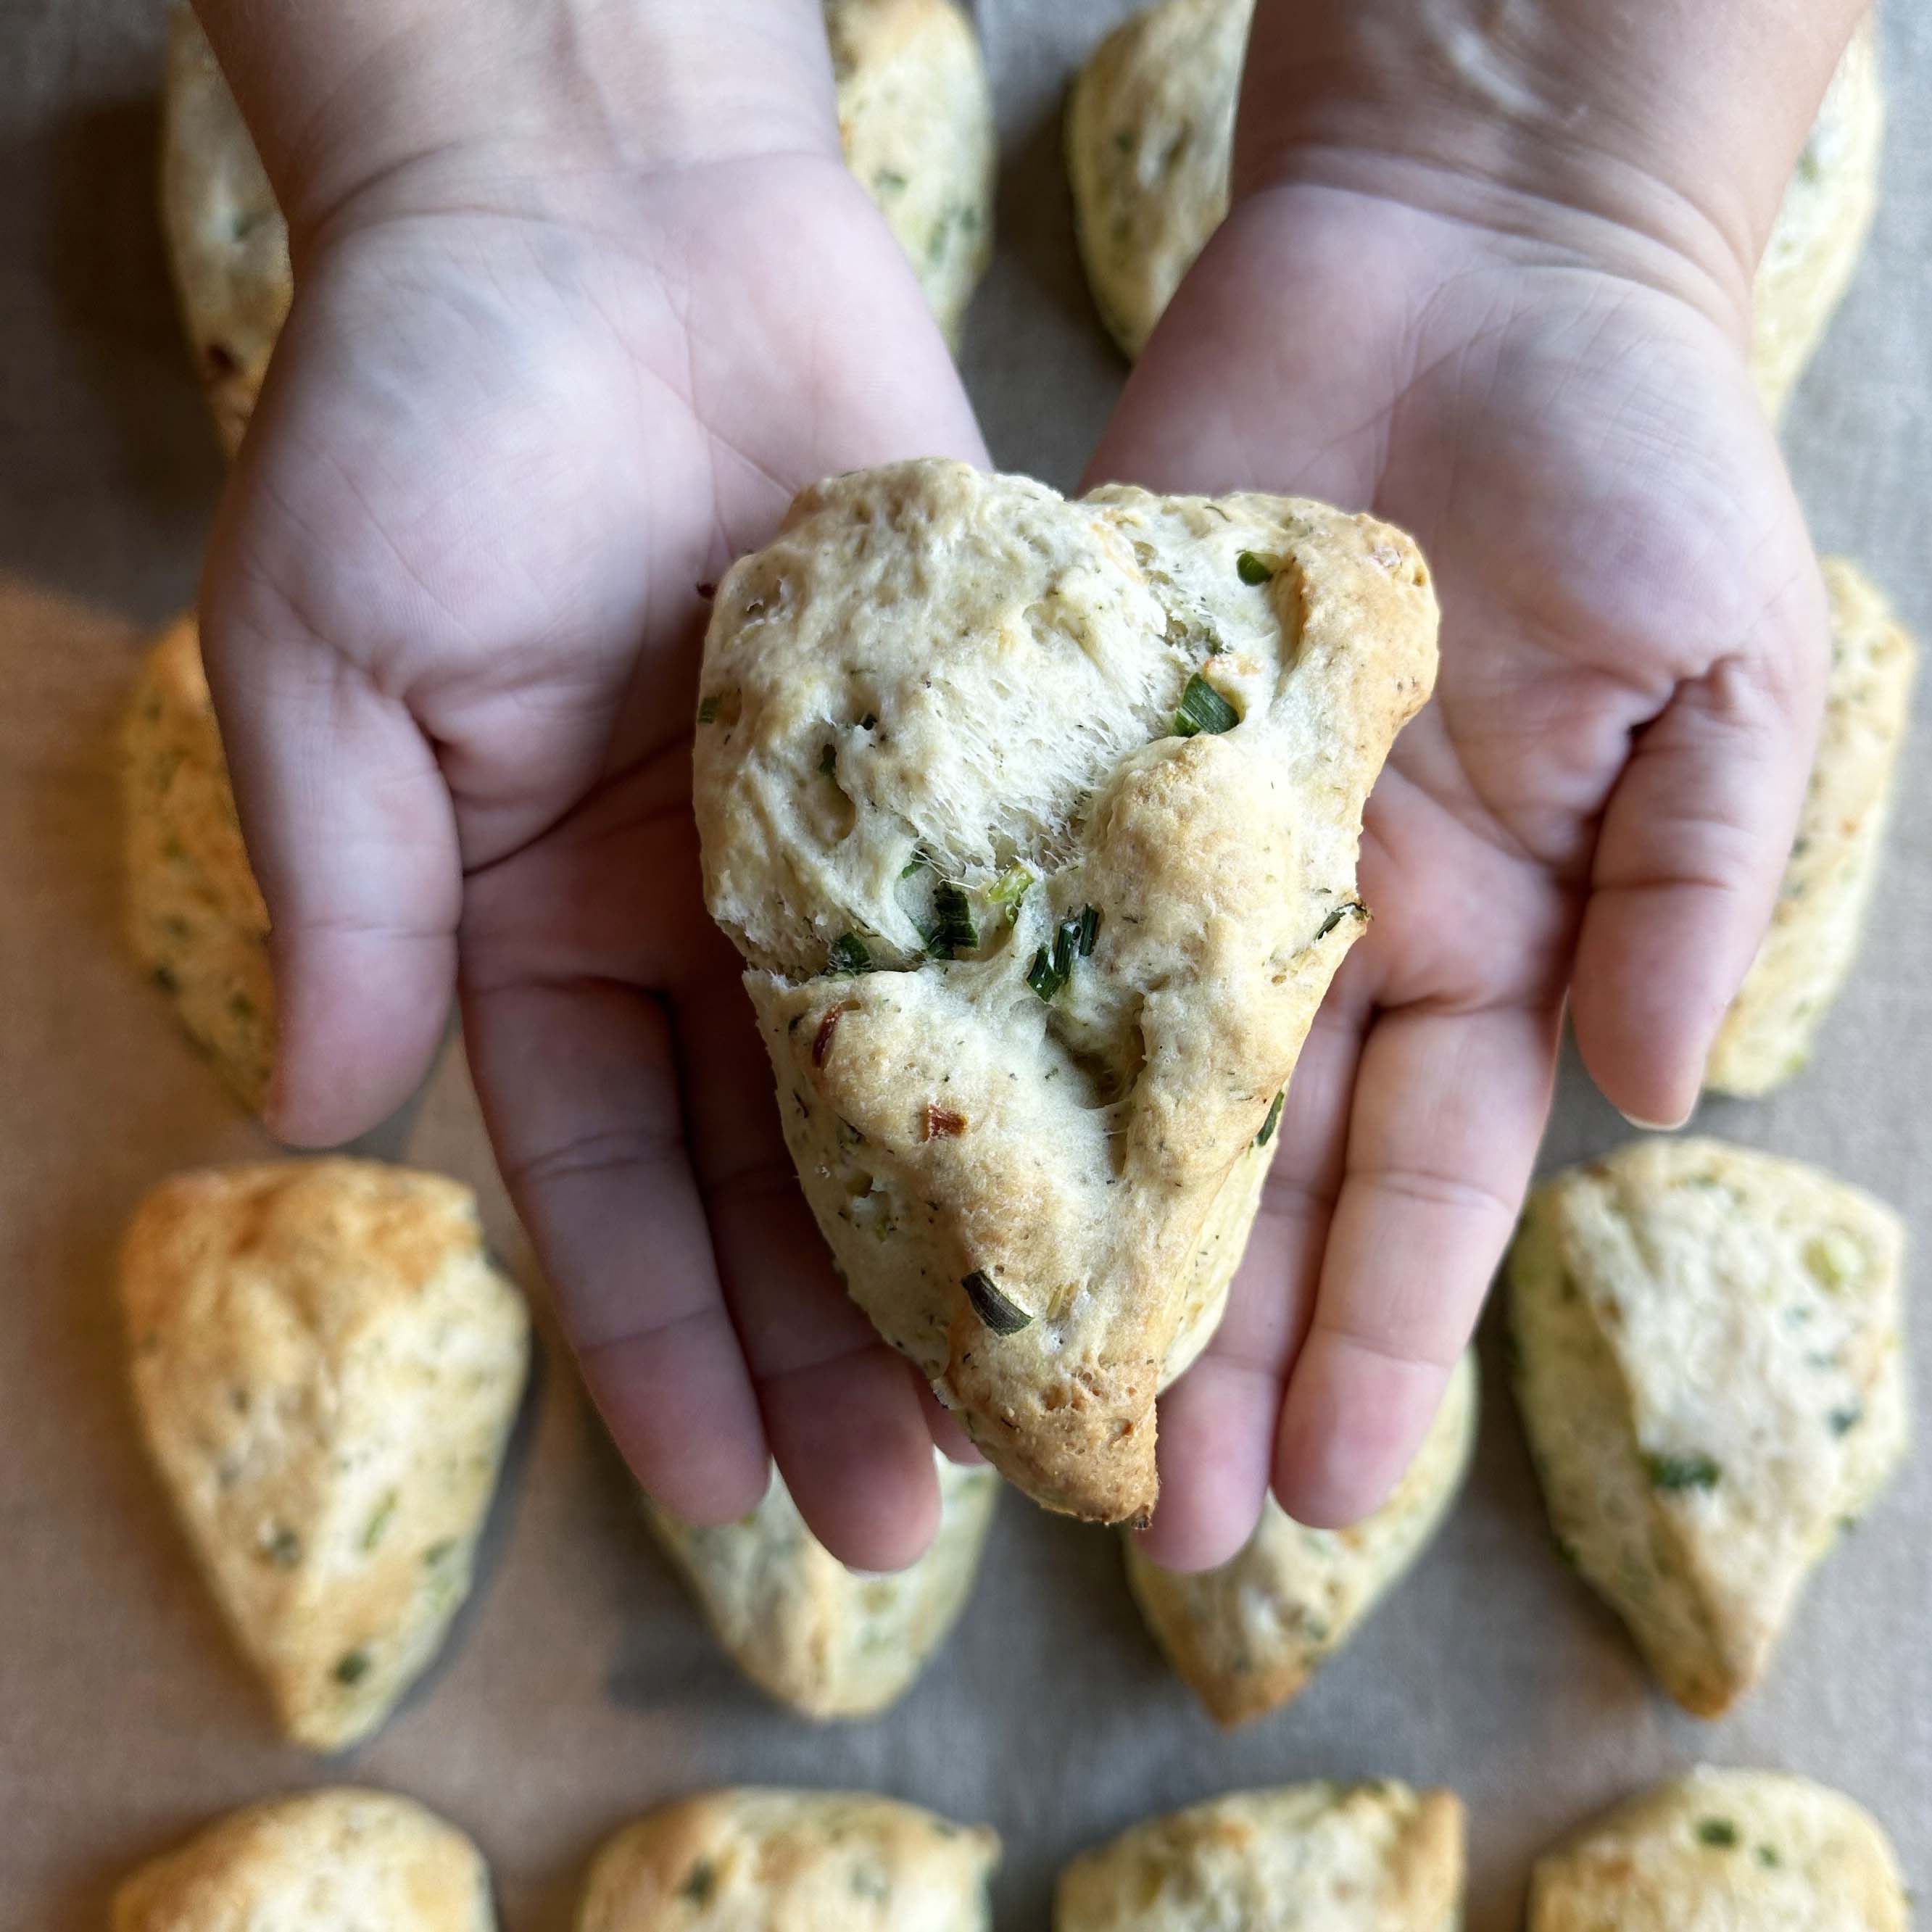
1822, 223
1724, 1851
326, 1366
1150, 137
328, 1861
1037, 821
831, 1641
1246, 1637
1305, 1858
195, 916
1707, 1362
1766, 1037
803, 1861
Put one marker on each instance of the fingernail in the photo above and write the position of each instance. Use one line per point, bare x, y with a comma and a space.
1656, 1127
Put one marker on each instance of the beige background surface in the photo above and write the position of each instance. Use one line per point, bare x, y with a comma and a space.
580, 1686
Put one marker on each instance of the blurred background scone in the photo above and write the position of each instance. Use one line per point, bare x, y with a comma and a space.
1149, 141
326, 1367
329, 1860
1709, 1367
797, 1861
828, 1641
1818, 921
915, 117
1246, 1638
195, 916
1305, 1858
1724, 1851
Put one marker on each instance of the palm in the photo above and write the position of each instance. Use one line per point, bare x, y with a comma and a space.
499, 454
1626, 583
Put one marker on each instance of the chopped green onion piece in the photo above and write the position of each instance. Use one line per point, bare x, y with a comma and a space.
866, 723
1274, 1121
707, 710
1090, 930
1844, 1420
1002, 1316
1066, 945
1682, 1472
849, 954
1203, 708
1008, 889
1717, 1832
828, 761
1336, 917
1252, 569
917, 862
352, 1666
1042, 977
952, 927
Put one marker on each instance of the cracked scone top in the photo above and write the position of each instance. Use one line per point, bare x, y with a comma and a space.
1036, 821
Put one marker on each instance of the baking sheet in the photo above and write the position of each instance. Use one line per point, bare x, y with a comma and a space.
579, 1686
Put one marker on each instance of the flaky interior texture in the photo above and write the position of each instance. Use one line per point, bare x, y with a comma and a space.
1036, 823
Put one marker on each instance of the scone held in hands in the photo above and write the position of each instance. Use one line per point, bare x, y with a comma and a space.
1036, 822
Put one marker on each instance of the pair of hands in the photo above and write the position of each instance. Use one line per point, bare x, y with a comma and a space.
529, 402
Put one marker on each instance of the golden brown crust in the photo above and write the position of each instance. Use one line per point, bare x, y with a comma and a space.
1305, 1858
938, 681
195, 917
794, 1861
325, 1366
328, 1861
1246, 1638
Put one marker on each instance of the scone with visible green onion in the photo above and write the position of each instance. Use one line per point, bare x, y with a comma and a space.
1807, 954
1246, 1638
1305, 1858
791, 1861
1036, 822
1724, 1851
915, 119
1151, 137
326, 1367
195, 916
1708, 1367
340, 1860
831, 1641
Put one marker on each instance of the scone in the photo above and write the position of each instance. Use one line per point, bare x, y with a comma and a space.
1766, 1037
227, 243
762, 1861
327, 1861
915, 118
1724, 1851
326, 1367
1708, 1366
1246, 1637
195, 916
1036, 821
915, 121
1150, 140
1306, 1857
1821, 225
831, 1641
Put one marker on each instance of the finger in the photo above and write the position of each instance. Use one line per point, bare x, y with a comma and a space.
841, 1408
579, 1086
352, 838
1215, 1445
1694, 843
1448, 1109
949, 1434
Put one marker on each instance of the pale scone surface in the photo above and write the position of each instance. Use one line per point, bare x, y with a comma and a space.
329, 1860
1724, 1851
1150, 133
831, 1641
1305, 1858
916, 122
938, 682
751, 1860
195, 916
1246, 1637
1816, 927
326, 1366
1708, 1366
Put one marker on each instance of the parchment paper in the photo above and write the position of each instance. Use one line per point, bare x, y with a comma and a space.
579, 1686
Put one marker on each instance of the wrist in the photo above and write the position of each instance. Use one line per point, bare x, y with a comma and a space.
529, 92
1554, 123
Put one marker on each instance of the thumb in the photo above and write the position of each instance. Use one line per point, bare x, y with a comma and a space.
1693, 845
